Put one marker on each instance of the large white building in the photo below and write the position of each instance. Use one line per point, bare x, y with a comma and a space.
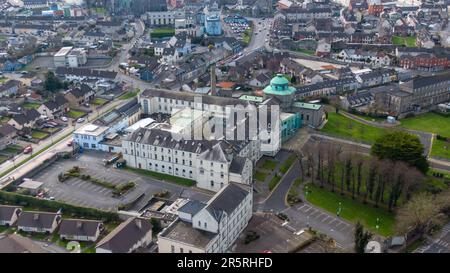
70, 57
163, 18
212, 164
155, 101
210, 227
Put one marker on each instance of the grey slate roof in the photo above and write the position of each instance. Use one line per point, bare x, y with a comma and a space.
6, 129
227, 200
79, 227
27, 116
126, 235
237, 165
419, 82
192, 207
187, 96
85, 72
56, 103
37, 219
6, 212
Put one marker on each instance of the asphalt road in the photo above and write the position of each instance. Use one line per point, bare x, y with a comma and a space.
276, 201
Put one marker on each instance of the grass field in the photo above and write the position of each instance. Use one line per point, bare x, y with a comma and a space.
247, 35
432, 123
269, 164
128, 95
274, 182
13, 149
306, 51
39, 134
99, 101
341, 126
352, 210
407, 41
31, 105
165, 177
260, 176
75, 114
162, 32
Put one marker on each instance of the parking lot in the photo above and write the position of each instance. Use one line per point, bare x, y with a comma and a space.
305, 215
84, 193
274, 236
440, 245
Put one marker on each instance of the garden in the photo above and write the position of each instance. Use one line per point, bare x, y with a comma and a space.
341, 126
432, 123
75, 114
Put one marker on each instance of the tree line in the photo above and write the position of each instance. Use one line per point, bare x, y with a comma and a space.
370, 179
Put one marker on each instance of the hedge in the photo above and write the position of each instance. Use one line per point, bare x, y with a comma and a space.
53, 206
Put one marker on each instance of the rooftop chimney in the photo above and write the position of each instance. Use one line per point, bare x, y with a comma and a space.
36, 216
139, 223
79, 224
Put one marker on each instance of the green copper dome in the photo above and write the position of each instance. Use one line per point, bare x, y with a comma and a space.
279, 79
279, 85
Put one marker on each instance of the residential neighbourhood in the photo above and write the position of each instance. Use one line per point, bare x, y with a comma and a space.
224, 126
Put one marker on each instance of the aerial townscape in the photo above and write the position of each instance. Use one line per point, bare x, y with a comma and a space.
224, 126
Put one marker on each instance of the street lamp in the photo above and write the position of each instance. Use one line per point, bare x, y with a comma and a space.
338, 212
306, 191
377, 226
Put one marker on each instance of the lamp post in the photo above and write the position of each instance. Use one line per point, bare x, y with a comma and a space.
338, 212
377, 226
306, 191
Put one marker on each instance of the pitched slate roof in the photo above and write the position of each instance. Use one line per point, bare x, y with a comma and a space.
420, 81
6, 129
6, 212
126, 235
56, 103
79, 227
37, 219
237, 165
87, 72
192, 207
227, 200
27, 116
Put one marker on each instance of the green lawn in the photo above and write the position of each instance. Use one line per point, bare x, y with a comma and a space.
440, 148
432, 123
287, 164
247, 35
269, 164
31, 105
99, 101
75, 114
341, 126
162, 176
39, 134
260, 176
162, 32
306, 51
352, 210
13, 149
3, 158
407, 41
274, 182
428, 122
128, 95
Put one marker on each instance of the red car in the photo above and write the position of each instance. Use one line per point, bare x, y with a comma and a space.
27, 150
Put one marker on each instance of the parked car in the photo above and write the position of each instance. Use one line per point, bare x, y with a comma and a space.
80, 120
64, 119
70, 143
28, 150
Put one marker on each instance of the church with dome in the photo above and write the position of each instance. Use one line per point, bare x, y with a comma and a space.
280, 89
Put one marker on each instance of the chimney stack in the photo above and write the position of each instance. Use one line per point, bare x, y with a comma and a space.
36, 216
79, 224
139, 223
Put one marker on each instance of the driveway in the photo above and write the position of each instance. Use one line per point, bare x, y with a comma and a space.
276, 201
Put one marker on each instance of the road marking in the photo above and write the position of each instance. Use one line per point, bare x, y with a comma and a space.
324, 219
